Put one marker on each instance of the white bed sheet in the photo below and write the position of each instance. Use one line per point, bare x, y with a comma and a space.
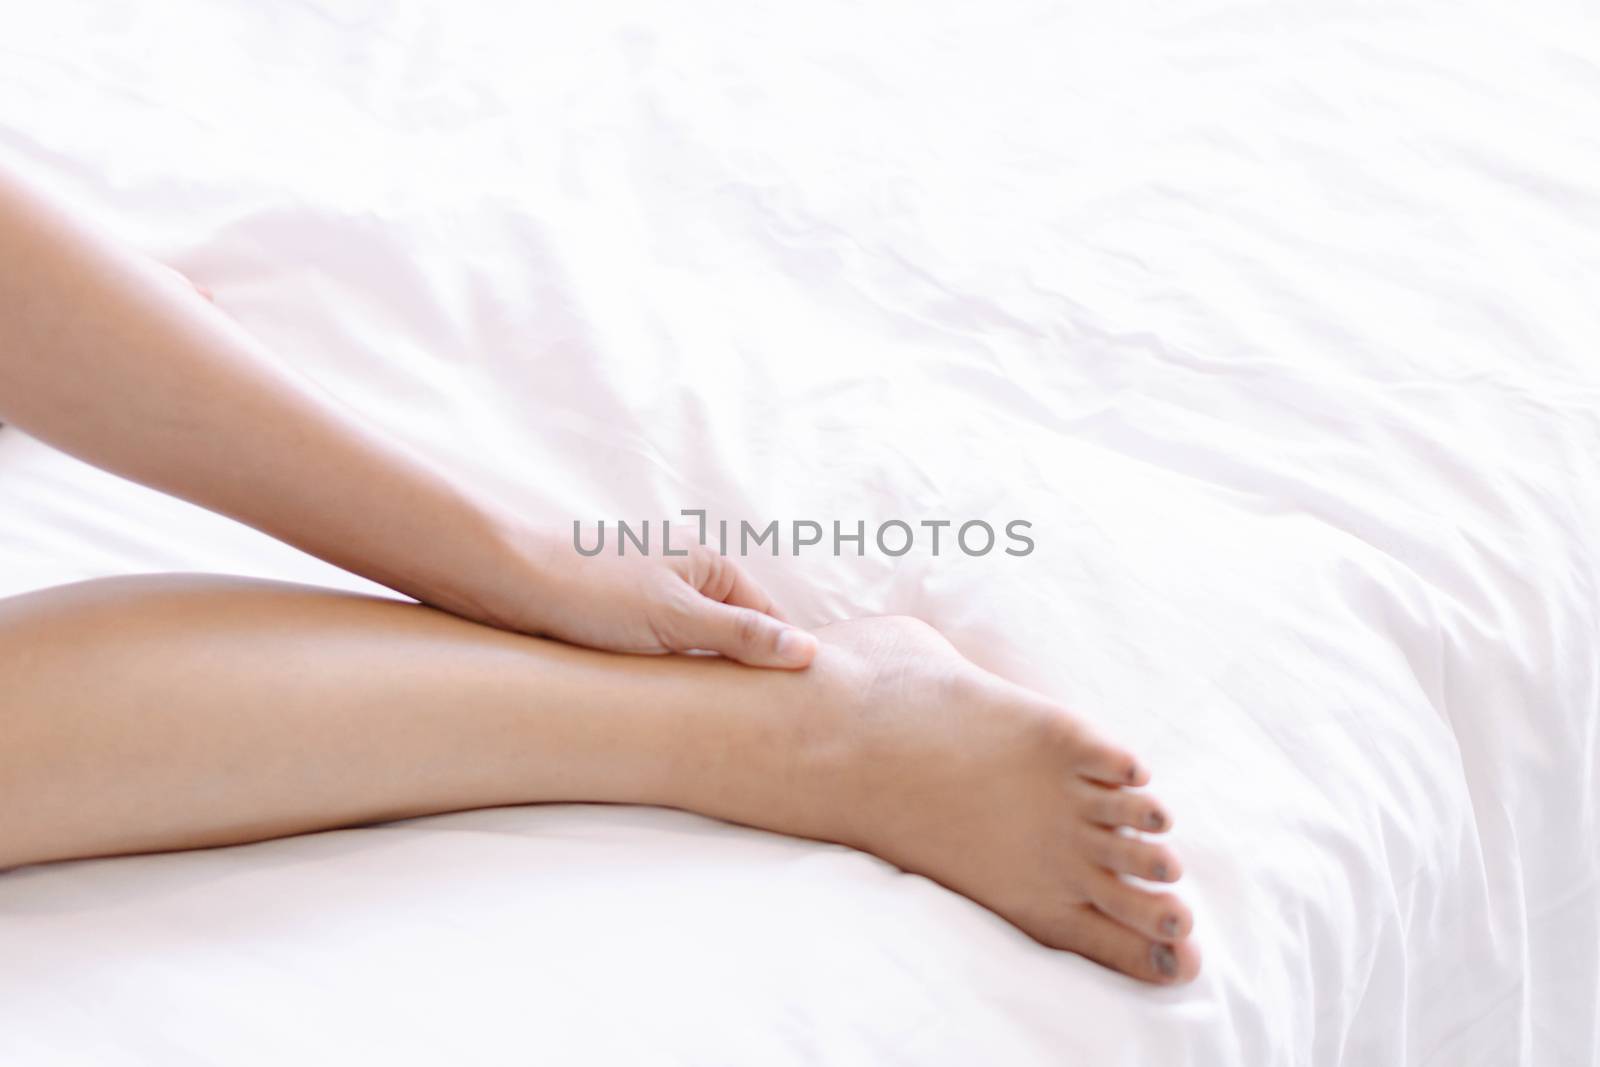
1278, 322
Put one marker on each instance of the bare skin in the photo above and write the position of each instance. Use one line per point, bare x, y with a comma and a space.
1003, 796
149, 714
108, 356
171, 712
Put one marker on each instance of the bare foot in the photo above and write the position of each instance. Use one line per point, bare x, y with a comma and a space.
946, 770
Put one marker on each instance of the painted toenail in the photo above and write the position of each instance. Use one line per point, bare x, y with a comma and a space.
1166, 962
1155, 820
1169, 926
1133, 773
1160, 872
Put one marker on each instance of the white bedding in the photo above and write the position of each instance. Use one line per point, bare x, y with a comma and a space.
1277, 321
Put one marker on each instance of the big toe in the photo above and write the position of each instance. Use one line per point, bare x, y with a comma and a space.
1091, 934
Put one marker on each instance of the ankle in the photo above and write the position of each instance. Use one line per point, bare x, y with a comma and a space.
778, 752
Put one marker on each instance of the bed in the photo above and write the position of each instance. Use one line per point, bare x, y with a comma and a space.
1277, 322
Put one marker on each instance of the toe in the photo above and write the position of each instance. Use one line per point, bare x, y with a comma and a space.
1126, 854
1090, 755
1123, 807
1174, 964
1161, 916
1101, 761
1113, 945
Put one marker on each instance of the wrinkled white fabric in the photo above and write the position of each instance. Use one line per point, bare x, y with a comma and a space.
1277, 322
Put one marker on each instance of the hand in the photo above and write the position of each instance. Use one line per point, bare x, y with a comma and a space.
101, 350
647, 604
641, 604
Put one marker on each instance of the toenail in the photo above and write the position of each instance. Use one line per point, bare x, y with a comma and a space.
1133, 773
1160, 872
1155, 820
1169, 926
1166, 962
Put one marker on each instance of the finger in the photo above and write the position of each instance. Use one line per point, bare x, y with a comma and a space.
745, 592
744, 634
720, 578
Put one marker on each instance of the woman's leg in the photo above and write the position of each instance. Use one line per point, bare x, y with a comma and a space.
169, 712
152, 713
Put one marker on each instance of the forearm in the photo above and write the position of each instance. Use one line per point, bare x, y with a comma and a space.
105, 356
159, 713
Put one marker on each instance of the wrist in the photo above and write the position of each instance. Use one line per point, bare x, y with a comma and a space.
504, 574
475, 563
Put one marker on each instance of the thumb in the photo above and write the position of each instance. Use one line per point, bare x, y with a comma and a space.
747, 635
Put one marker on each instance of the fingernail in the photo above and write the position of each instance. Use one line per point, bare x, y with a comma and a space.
794, 646
1165, 960
1169, 926
1159, 871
